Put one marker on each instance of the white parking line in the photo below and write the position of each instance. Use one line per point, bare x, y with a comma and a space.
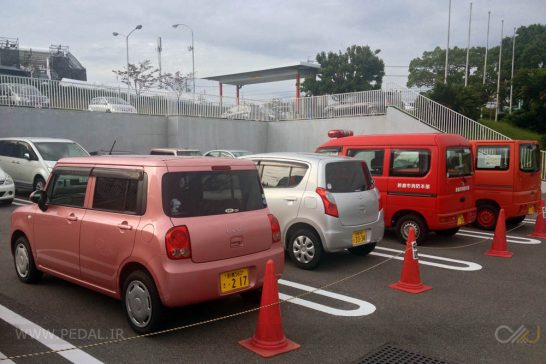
45, 337
19, 204
463, 264
364, 308
4, 360
20, 200
509, 238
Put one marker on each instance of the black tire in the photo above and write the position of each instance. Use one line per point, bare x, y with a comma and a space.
448, 232
305, 248
515, 220
6, 202
38, 181
252, 296
362, 250
405, 222
141, 301
486, 216
25, 268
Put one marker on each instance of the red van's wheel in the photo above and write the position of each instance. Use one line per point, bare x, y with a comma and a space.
411, 221
487, 216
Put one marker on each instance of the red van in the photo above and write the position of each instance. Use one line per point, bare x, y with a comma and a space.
507, 176
426, 181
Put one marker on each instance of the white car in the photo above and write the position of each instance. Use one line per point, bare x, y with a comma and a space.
324, 204
22, 95
7, 188
29, 161
181, 152
223, 153
248, 112
111, 104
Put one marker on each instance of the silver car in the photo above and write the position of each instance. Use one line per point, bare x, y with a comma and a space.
324, 204
111, 104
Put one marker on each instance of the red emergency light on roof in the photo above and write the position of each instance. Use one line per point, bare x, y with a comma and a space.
339, 133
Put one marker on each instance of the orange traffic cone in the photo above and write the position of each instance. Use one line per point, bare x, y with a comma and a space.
269, 339
410, 280
499, 248
540, 224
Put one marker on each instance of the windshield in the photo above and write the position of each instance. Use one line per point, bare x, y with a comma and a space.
329, 150
189, 194
191, 153
458, 162
52, 151
529, 158
240, 153
346, 177
116, 100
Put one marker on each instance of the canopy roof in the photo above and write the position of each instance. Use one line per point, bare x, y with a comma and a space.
304, 69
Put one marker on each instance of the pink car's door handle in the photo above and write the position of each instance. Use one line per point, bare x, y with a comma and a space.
72, 217
125, 226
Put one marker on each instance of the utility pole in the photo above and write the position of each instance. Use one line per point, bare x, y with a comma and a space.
486, 46
499, 73
512, 75
447, 48
468, 47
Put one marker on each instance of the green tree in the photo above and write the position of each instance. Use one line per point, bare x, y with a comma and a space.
531, 86
141, 76
358, 69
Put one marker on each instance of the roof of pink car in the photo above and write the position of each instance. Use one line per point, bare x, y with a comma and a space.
155, 161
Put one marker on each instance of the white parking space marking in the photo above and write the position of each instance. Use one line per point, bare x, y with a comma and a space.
364, 308
529, 221
463, 265
4, 360
45, 337
19, 204
509, 238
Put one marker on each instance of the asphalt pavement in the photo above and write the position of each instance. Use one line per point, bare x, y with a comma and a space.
481, 309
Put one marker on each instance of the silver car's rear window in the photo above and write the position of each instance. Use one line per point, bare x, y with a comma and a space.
189, 194
343, 177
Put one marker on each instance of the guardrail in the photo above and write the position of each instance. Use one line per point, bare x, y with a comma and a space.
437, 115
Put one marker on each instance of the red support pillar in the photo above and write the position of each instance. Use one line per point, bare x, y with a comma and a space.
298, 93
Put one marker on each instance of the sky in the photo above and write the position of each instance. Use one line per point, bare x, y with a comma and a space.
232, 36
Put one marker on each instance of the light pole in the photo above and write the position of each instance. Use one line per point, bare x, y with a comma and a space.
447, 48
115, 34
468, 47
499, 73
192, 55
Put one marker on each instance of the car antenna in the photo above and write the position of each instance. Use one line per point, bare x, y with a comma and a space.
111, 149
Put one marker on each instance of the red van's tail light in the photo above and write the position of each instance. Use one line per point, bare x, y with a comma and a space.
330, 207
339, 133
275, 228
177, 243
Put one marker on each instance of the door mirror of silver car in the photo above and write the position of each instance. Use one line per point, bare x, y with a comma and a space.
39, 197
27, 156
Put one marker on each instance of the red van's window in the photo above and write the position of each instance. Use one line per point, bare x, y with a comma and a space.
373, 158
458, 162
493, 157
410, 162
529, 158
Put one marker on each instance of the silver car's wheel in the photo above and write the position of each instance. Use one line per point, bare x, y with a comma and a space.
305, 248
22, 263
142, 303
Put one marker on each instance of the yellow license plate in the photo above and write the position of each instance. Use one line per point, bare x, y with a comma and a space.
359, 237
234, 280
460, 219
530, 209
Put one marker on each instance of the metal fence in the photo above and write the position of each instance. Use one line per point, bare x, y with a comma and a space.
437, 115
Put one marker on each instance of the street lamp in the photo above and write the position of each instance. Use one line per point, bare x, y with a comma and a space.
192, 55
115, 34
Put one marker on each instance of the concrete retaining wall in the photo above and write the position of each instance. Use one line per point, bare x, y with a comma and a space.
139, 133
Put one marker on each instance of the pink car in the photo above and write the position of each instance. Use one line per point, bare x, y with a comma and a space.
152, 231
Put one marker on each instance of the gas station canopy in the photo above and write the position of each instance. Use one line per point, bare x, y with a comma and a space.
302, 70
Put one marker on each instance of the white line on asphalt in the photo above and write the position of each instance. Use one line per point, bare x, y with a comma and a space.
464, 265
19, 204
20, 200
509, 238
45, 337
364, 308
4, 360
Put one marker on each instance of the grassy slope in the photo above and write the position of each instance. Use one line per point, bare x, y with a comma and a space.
512, 131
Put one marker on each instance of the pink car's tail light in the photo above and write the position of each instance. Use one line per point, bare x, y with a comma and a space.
177, 243
330, 207
275, 228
